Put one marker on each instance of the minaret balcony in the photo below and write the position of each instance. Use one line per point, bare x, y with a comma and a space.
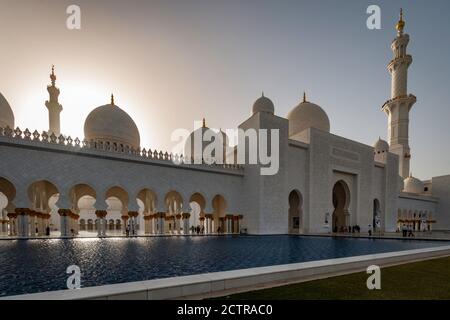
394, 63
408, 100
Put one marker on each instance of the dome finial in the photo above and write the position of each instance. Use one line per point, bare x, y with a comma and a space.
112, 99
401, 23
204, 123
304, 96
262, 94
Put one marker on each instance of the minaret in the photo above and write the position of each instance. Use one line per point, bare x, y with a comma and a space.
398, 107
53, 106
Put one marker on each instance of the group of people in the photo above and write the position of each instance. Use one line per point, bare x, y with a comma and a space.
198, 230
407, 231
130, 231
47, 231
349, 229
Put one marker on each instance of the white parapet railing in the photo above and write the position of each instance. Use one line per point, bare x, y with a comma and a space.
45, 139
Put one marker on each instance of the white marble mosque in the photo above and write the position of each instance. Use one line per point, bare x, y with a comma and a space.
108, 184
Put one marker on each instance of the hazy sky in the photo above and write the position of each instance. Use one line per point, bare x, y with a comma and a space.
170, 63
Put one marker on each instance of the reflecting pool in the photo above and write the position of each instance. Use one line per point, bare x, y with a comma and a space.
40, 265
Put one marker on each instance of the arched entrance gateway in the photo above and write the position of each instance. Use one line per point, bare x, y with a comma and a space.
295, 211
341, 201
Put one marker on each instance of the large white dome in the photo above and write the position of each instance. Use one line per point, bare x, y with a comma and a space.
307, 115
110, 123
6, 114
413, 185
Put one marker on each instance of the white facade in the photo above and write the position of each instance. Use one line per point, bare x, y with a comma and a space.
326, 183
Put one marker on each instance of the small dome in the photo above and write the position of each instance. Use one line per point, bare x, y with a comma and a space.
381, 146
110, 123
413, 185
6, 114
263, 104
307, 115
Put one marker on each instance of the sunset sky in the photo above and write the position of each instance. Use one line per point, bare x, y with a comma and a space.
170, 63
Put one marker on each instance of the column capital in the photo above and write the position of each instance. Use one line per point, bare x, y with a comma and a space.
178, 216
12, 215
64, 212
186, 215
160, 215
133, 214
125, 217
100, 213
208, 215
22, 211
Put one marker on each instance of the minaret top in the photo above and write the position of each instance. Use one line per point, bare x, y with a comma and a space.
53, 76
401, 23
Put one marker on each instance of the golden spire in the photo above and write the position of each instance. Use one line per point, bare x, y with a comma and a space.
400, 24
112, 99
204, 123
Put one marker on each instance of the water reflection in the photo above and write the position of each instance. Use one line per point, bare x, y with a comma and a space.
40, 265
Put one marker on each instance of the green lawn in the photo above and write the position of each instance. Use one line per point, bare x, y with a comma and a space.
428, 279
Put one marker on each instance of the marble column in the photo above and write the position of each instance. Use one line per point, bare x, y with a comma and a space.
39, 224
65, 223
46, 220
208, 223
124, 223
76, 224
12, 216
32, 223
202, 224
161, 221
178, 226
229, 223
239, 223
155, 223
146, 224
133, 221
101, 228
22, 222
186, 226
